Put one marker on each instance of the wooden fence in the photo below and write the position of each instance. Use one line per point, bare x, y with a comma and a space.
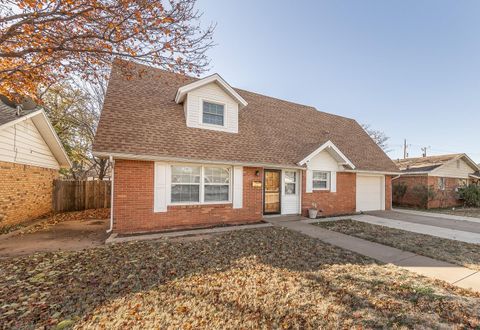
80, 195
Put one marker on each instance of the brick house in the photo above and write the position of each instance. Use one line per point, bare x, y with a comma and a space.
30, 158
433, 182
193, 152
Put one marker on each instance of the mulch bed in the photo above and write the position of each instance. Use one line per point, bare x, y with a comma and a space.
460, 253
259, 278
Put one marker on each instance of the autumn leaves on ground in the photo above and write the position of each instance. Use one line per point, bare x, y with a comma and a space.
263, 278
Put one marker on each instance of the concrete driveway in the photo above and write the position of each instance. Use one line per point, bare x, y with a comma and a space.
68, 235
445, 227
431, 220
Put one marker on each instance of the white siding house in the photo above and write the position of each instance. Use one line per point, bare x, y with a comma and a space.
22, 143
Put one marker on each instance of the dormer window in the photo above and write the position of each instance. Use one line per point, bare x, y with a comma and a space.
213, 113
210, 103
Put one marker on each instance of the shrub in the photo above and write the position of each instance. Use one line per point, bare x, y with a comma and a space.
399, 191
423, 194
470, 195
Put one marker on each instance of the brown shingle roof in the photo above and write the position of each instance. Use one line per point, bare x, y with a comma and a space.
425, 164
141, 117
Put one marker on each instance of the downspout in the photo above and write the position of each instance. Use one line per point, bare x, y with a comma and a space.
391, 191
112, 164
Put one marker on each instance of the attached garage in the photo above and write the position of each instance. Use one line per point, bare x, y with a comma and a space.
370, 192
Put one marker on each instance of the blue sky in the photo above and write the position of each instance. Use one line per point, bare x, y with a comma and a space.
409, 68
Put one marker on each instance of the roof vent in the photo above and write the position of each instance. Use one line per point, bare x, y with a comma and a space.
26, 103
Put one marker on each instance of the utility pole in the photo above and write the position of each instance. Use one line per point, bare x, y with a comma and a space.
424, 151
405, 154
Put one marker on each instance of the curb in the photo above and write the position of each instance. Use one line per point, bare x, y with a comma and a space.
113, 238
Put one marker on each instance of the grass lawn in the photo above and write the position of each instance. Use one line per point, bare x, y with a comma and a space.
461, 253
262, 278
464, 212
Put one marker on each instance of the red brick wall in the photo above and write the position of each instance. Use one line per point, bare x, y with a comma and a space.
133, 202
25, 192
446, 198
331, 203
388, 192
410, 198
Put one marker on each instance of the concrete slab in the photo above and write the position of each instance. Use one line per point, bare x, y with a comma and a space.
469, 282
458, 235
453, 274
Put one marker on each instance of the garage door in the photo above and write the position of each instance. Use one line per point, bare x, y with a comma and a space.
370, 193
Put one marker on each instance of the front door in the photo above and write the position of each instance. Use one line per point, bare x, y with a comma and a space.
272, 192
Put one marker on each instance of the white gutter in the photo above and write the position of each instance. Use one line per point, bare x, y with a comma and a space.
112, 163
191, 160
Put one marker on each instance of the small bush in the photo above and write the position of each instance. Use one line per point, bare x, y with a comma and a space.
470, 195
423, 194
399, 191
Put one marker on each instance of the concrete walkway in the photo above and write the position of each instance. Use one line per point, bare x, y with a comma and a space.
433, 230
453, 274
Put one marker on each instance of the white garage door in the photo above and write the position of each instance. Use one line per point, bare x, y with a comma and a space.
370, 193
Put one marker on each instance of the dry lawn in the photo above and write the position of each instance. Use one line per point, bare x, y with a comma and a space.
460, 253
263, 278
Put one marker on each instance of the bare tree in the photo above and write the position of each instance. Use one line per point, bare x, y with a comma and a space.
74, 110
380, 138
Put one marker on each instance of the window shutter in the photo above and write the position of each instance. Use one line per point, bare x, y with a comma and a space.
160, 188
309, 181
333, 181
237, 187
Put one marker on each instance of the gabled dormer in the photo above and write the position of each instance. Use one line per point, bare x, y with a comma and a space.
211, 103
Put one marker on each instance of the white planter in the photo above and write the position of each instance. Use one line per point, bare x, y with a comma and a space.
312, 213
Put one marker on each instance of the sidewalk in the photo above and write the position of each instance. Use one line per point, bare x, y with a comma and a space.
453, 274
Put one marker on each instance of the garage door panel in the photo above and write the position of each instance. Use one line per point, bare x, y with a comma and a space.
370, 193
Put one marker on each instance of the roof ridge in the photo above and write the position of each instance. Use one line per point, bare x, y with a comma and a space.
310, 107
430, 157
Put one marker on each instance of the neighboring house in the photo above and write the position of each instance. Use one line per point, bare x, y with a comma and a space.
475, 177
30, 158
433, 182
196, 152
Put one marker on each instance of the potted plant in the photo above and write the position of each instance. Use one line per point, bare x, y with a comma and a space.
313, 211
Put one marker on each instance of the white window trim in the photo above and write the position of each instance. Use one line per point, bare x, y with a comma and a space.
329, 181
295, 182
202, 184
203, 100
443, 187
